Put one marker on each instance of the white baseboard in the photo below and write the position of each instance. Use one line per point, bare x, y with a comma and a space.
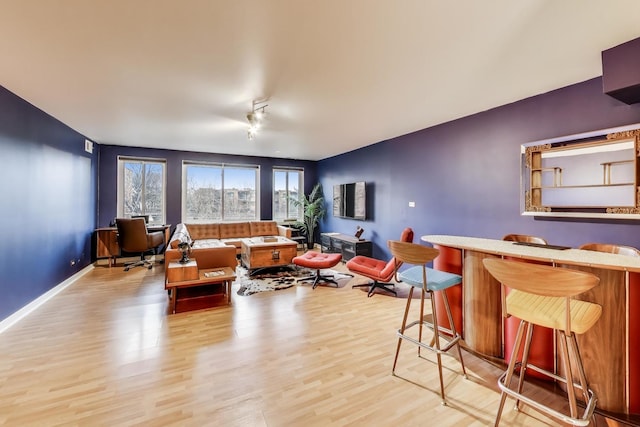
33, 305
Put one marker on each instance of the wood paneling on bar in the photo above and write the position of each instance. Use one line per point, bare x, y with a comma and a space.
482, 318
608, 349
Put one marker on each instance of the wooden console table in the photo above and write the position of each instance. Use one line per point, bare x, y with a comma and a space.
348, 246
107, 241
191, 288
610, 349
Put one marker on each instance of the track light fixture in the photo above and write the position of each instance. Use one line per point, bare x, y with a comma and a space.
255, 117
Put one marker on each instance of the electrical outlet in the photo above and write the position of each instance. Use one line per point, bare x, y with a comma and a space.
412, 204
72, 262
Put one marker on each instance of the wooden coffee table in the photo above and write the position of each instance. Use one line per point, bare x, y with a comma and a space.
266, 252
192, 288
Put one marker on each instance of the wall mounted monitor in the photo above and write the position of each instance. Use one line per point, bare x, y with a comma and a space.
350, 200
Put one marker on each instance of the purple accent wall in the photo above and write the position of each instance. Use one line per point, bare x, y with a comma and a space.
48, 209
107, 197
464, 175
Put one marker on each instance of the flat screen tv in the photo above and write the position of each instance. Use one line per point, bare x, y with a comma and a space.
350, 200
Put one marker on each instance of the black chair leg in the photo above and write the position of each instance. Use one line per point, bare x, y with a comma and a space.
317, 278
377, 285
142, 262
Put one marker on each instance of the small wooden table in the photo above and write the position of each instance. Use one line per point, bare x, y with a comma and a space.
192, 288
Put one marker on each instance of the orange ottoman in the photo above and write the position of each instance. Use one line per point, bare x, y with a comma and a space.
317, 261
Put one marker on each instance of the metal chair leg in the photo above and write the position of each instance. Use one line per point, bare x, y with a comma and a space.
452, 326
510, 370
420, 325
525, 362
571, 392
436, 333
402, 329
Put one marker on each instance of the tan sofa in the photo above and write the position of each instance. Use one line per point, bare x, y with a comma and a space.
217, 244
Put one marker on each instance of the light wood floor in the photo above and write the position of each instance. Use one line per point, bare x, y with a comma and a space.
104, 352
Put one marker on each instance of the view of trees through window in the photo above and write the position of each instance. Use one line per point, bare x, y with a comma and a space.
286, 185
141, 189
219, 192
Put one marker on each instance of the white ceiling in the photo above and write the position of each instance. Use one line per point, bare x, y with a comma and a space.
338, 74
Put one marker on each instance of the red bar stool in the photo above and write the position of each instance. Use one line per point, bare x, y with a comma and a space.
542, 296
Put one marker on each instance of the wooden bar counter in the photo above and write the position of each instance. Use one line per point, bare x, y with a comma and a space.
610, 350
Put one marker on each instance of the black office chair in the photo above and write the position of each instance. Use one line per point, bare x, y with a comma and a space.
133, 237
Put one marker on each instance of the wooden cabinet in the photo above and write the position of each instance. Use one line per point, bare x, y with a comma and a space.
107, 244
107, 241
348, 246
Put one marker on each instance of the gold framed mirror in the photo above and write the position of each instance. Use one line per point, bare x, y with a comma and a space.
592, 175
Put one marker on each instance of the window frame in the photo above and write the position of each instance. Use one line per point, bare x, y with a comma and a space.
222, 166
287, 169
120, 196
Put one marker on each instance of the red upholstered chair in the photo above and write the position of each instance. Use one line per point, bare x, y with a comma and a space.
381, 272
316, 260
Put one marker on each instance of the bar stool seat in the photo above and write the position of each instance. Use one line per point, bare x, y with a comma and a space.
542, 295
428, 281
550, 312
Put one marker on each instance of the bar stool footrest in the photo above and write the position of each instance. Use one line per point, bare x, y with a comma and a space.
585, 420
450, 341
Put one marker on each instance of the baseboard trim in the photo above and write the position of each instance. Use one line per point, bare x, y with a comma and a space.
33, 305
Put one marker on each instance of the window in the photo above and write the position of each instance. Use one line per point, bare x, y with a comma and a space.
286, 184
217, 192
141, 188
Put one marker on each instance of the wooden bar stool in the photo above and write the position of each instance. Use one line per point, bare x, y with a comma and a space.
429, 281
542, 296
524, 238
611, 248
542, 343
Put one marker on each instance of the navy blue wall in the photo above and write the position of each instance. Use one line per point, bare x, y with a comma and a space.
464, 176
48, 209
107, 198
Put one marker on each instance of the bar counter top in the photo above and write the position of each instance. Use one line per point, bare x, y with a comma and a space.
556, 256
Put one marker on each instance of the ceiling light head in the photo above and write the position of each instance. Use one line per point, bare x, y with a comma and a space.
255, 118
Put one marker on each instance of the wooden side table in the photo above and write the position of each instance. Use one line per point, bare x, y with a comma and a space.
192, 287
178, 272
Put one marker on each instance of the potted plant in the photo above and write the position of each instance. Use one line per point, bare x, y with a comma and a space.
312, 206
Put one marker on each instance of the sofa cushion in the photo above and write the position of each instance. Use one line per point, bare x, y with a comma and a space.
233, 241
234, 229
204, 231
207, 243
180, 235
263, 228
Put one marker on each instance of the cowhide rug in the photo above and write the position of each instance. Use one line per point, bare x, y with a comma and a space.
274, 279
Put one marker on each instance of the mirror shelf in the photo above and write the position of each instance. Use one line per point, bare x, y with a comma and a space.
590, 175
